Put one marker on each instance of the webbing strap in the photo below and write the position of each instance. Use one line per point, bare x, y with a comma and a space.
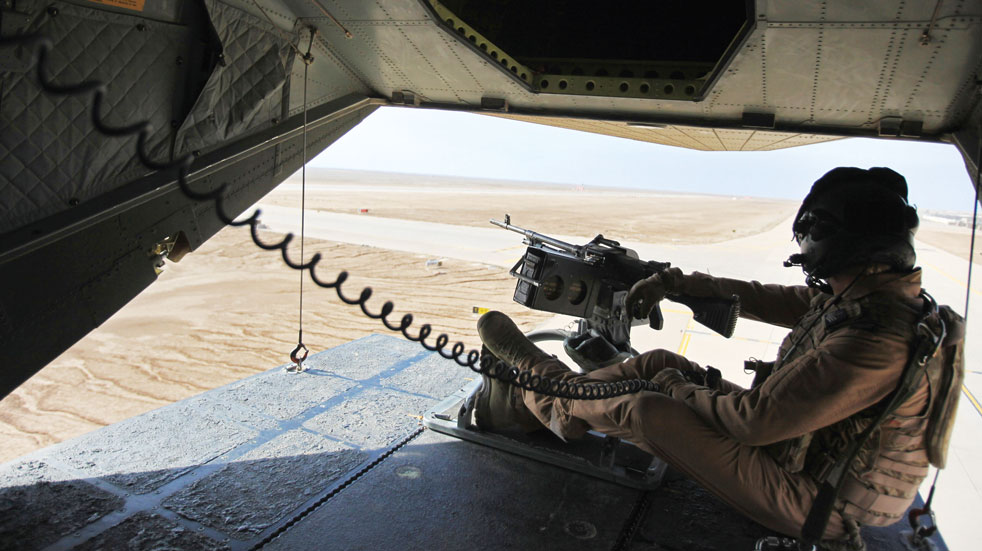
930, 334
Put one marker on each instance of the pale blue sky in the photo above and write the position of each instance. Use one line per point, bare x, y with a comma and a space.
426, 141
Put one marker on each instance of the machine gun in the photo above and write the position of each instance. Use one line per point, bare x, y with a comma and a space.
591, 282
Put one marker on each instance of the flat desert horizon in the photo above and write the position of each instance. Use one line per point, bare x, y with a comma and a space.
229, 309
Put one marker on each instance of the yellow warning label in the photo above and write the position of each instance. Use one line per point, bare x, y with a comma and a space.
135, 5
477, 310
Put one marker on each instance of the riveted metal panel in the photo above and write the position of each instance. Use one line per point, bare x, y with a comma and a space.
327, 78
846, 82
361, 10
699, 138
790, 72
443, 493
817, 10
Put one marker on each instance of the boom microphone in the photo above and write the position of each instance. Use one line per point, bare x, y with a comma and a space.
794, 260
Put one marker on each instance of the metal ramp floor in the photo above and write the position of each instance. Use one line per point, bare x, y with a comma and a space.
336, 458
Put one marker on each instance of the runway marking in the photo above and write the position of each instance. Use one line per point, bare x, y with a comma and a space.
951, 277
972, 398
686, 337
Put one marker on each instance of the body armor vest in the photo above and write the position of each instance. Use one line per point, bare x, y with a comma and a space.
884, 478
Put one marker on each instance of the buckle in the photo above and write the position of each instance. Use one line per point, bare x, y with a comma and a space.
822, 466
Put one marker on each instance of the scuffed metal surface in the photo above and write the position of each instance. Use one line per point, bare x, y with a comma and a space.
38, 507
373, 419
144, 453
682, 515
444, 493
151, 532
250, 494
430, 376
224, 469
378, 354
283, 396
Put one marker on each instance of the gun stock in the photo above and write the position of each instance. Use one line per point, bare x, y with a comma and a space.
718, 314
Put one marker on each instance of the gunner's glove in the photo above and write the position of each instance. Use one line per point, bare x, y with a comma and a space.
669, 379
647, 293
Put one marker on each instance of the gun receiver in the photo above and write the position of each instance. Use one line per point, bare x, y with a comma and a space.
591, 281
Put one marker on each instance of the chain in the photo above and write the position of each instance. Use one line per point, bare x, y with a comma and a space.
39, 47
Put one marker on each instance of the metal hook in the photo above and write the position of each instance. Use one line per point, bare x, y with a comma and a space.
298, 360
921, 533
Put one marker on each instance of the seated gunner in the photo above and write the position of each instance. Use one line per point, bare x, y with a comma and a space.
765, 450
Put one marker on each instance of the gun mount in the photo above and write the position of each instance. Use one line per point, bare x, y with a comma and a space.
591, 282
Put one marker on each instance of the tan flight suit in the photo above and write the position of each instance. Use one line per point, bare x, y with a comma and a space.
759, 449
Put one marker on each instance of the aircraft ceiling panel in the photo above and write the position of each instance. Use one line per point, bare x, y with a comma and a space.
372, 66
404, 68
741, 87
330, 81
413, 56
705, 137
817, 65
938, 89
779, 141
921, 81
733, 140
847, 88
787, 76
362, 10
817, 10
448, 67
702, 139
877, 59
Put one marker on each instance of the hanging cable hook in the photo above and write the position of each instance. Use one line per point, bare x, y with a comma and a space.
298, 359
294, 356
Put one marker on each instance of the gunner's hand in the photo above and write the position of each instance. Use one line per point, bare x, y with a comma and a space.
647, 293
669, 379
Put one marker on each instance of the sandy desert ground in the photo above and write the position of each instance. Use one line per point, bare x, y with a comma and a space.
230, 310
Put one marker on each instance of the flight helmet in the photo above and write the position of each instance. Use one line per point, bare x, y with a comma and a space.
854, 217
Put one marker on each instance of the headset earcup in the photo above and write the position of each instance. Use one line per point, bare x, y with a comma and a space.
911, 220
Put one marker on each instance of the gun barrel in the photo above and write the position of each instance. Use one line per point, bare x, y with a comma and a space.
535, 237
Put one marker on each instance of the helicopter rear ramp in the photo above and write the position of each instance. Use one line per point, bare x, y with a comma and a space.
336, 457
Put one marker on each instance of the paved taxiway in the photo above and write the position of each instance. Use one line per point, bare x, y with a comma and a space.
959, 494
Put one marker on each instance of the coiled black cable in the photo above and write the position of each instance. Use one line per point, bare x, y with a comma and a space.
38, 47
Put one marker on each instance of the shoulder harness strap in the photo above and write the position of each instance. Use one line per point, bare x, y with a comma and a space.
930, 332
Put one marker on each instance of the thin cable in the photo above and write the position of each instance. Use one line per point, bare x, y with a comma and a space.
926, 35
975, 222
930, 494
303, 194
968, 291
295, 355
